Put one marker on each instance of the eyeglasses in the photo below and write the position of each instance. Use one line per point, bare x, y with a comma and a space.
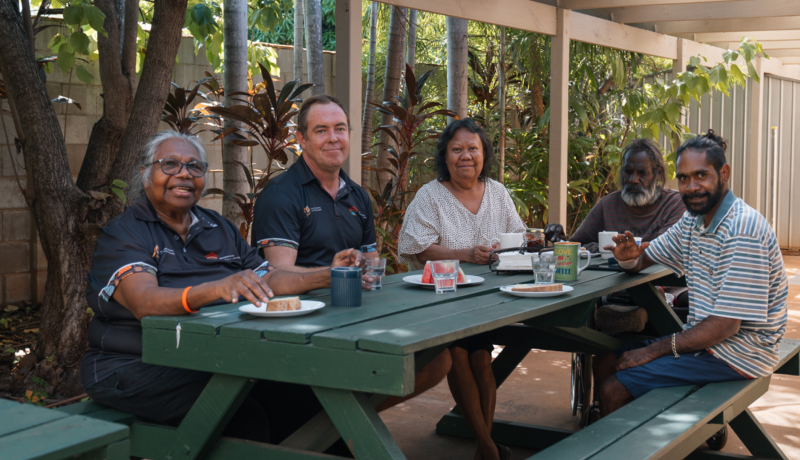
173, 167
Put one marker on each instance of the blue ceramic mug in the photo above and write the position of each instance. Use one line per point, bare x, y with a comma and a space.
346, 287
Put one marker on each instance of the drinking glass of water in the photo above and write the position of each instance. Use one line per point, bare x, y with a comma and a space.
544, 268
445, 274
376, 268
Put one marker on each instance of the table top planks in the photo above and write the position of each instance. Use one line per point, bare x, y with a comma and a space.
415, 330
401, 318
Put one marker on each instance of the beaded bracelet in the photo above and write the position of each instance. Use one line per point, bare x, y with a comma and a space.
674, 351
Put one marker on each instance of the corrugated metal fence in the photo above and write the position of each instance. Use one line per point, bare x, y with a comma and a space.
781, 163
728, 117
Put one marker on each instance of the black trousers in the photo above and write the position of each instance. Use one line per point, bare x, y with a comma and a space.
165, 395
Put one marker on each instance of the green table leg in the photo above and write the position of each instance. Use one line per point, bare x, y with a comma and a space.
358, 423
755, 437
659, 313
507, 361
210, 415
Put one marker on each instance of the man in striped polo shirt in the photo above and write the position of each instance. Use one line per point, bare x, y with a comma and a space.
737, 288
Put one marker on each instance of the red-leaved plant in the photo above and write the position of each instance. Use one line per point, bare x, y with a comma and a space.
409, 112
267, 116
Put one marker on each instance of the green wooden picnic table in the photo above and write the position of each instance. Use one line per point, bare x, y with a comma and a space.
353, 358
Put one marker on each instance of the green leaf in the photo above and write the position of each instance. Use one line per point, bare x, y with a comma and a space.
84, 75
66, 58
673, 113
120, 194
736, 75
730, 55
119, 183
80, 41
718, 74
751, 70
95, 18
56, 42
694, 61
73, 14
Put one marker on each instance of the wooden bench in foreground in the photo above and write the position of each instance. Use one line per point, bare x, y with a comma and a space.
28, 432
670, 423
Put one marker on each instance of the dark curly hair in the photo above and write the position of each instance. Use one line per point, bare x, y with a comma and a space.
656, 159
443, 174
714, 147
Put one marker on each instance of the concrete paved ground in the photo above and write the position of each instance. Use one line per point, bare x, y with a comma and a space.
538, 393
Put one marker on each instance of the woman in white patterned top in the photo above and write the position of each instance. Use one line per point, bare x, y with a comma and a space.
456, 217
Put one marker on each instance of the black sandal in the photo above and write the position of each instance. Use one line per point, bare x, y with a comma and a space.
503, 451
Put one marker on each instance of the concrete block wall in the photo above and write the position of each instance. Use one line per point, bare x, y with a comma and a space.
76, 124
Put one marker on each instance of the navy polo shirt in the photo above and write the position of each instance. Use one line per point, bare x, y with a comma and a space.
138, 241
295, 211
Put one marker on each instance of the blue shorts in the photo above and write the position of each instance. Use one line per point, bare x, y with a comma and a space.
690, 369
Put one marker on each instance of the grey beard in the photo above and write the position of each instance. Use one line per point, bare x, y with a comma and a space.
637, 199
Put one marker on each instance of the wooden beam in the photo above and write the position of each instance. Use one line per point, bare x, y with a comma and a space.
785, 67
348, 76
762, 36
727, 25
601, 4
517, 14
784, 53
589, 29
710, 11
774, 45
559, 120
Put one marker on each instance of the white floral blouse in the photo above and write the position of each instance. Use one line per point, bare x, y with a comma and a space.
435, 216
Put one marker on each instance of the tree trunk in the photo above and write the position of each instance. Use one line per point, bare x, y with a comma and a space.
298, 40
369, 97
234, 30
411, 50
457, 66
118, 76
395, 60
501, 93
145, 114
68, 220
316, 68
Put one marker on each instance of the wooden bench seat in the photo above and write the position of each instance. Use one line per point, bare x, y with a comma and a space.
671, 423
28, 432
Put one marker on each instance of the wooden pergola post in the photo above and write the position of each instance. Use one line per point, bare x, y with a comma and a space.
559, 119
348, 76
755, 194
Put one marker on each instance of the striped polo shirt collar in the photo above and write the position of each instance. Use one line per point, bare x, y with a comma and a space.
724, 208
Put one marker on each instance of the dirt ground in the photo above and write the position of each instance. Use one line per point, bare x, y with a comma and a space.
538, 393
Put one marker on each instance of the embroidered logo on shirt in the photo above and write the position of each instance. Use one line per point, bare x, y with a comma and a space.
354, 211
307, 211
211, 255
156, 253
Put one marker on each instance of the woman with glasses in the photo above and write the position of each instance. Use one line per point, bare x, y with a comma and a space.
164, 255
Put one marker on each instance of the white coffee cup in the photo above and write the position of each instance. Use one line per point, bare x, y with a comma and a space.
603, 240
509, 240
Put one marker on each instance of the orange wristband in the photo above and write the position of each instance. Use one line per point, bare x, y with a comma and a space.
185, 303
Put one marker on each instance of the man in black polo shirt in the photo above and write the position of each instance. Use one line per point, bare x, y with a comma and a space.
309, 213
314, 210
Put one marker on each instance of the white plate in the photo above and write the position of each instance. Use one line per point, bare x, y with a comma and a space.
564, 290
417, 279
306, 307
